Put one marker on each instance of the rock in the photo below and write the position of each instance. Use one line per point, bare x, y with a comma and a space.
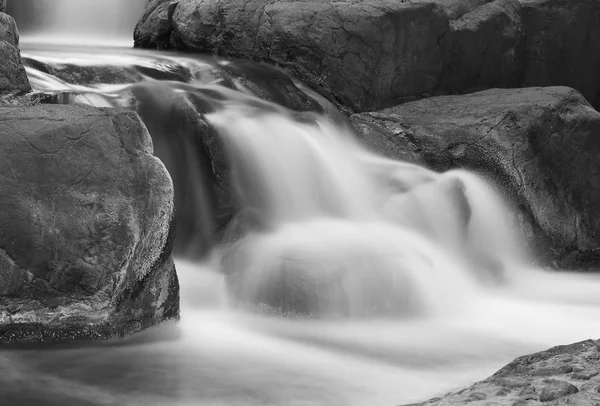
502, 388
585, 375
155, 25
539, 145
562, 46
86, 225
8, 29
2, 6
362, 54
563, 369
372, 54
557, 389
13, 77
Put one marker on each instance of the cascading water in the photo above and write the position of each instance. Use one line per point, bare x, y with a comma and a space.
338, 277
85, 22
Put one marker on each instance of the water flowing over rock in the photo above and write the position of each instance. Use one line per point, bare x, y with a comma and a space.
541, 145
13, 77
86, 225
520, 383
372, 54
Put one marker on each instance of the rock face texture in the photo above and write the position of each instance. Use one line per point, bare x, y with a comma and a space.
86, 225
12, 73
155, 25
372, 54
541, 146
564, 375
2, 6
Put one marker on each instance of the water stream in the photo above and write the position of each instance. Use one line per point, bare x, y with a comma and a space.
356, 280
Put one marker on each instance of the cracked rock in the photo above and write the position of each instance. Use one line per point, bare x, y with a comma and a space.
86, 225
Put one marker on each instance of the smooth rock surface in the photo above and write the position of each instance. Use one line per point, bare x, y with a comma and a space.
86, 225
541, 146
563, 45
13, 77
372, 54
518, 384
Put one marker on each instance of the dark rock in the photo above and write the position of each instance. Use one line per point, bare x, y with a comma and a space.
8, 29
194, 156
557, 389
86, 225
540, 145
372, 54
562, 45
13, 77
271, 84
362, 54
2, 6
155, 25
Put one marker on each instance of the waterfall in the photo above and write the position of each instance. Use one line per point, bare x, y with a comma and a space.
85, 22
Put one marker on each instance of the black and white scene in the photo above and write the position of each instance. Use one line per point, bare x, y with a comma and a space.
299, 202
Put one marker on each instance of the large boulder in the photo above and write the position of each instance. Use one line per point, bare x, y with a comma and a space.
13, 77
541, 146
363, 54
563, 375
371, 54
155, 25
563, 45
86, 225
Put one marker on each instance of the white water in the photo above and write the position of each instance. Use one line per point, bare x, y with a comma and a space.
424, 286
83, 22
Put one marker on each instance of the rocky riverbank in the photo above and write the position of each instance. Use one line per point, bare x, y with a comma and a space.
564, 375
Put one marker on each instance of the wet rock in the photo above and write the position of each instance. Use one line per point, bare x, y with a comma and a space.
534, 389
371, 54
155, 25
557, 389
536, 144
195, 158
13, 77
86, 225
561, 45
362, 54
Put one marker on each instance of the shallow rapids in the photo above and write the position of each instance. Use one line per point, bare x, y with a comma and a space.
423, 284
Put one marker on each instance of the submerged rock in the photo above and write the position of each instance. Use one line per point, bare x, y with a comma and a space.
13, 77
540, 145
371, 54
518, 383
86, 225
